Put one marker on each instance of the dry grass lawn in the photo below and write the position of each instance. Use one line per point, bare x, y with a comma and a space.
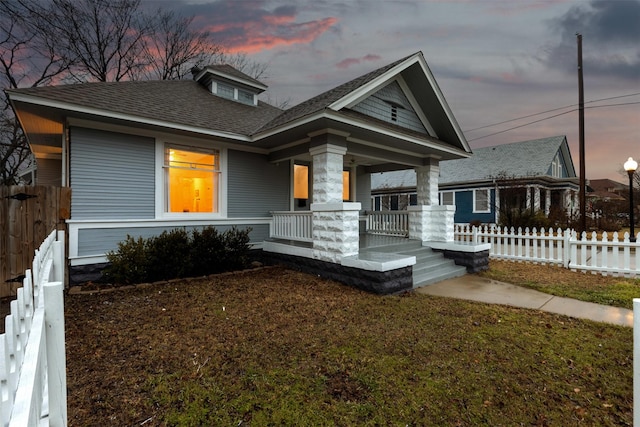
278, 347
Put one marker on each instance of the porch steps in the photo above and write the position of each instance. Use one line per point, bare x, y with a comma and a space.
431, 266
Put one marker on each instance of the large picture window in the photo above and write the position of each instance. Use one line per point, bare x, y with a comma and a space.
191, 179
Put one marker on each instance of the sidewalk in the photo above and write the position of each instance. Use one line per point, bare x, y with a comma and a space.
474, 288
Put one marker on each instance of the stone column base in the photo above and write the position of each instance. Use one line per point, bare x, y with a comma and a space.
335, 230
431, 223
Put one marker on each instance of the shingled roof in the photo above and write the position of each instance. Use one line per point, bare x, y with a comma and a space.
182, 102
325, 99
513, 160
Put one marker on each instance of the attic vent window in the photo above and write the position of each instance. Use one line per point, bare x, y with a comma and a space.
394, 109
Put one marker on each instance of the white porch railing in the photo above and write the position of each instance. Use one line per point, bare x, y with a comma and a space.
291, 225
606, 256
394, 223
33, 384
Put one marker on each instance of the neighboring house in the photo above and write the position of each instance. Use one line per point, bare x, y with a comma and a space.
537, 174
147, 156
607, 190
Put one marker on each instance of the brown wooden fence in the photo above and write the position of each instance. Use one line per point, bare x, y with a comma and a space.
27, 215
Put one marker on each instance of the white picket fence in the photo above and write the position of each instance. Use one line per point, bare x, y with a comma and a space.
33, 382
607, 255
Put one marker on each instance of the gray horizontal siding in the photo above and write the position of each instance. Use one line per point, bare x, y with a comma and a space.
378, 106
255, 186
112, 175
99, 241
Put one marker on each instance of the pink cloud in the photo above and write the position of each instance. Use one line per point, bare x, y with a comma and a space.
348, 62
249, 27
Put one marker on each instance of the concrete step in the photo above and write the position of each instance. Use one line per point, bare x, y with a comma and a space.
431, 277
430, 267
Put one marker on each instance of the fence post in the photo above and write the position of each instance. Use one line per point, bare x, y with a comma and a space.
56, 359
566, 251
636, 361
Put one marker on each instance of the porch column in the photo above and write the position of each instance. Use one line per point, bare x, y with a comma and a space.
428, 221
536, 198
528, 197
567, 199
547, 202
334, 222
497, 204
427, 183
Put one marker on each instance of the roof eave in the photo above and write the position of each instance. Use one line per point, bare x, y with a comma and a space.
329, 114
78, 109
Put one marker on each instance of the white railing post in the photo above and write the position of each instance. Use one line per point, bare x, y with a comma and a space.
56, 359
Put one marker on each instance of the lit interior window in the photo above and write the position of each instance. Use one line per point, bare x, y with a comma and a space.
191, 180
300, 182
345, 185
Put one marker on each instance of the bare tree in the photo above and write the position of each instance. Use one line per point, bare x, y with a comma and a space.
173, 49
103, 39
61, 41
28, 58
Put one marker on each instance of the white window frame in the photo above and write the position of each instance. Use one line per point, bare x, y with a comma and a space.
161, 189
453, 198
475, 207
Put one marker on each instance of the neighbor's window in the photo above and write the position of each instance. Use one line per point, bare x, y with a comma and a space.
481, 201
191, 179
446, 198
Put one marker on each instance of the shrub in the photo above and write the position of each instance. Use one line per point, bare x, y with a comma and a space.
176, 254
129, 263
168, 255
207, 251
214, 252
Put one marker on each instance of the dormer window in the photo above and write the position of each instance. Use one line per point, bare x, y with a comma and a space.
227, 82
225, 91
245, 97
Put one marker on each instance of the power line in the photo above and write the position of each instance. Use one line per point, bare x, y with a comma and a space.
523, 125
556, 109
547, 118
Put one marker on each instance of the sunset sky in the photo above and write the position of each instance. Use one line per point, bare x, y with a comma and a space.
495, 60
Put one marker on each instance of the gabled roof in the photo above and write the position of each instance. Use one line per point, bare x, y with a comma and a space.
514, 160
325, 99
413, 70
188, 106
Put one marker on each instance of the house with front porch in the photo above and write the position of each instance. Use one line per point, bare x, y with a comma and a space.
536, 175
143, 157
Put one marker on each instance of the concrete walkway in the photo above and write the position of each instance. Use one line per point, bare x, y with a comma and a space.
474, 288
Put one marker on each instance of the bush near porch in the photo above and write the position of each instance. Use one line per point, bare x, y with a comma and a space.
178, 254
274, 346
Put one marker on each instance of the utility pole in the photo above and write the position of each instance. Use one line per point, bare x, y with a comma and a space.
583, 181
